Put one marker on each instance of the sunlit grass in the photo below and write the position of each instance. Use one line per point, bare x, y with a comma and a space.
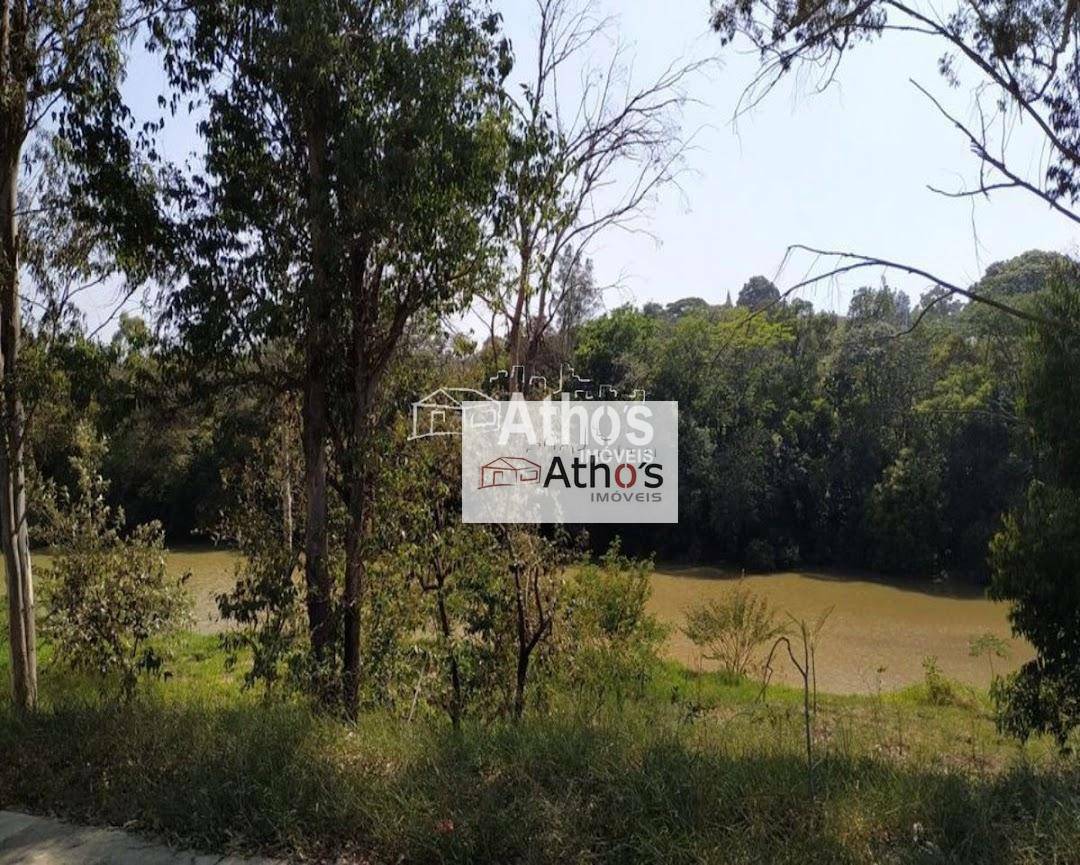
688, 768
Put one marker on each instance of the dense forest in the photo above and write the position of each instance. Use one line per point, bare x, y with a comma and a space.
886, 438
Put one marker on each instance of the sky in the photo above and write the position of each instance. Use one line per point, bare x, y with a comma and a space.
846, 168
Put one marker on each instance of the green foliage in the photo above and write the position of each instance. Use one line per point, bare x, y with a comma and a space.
940, 690
107, 592
612, 641
265, 607
812, 438
609, 346
906, 514
990, 646
731, 629
1029, 273
758, 293
1036, 555
168, 443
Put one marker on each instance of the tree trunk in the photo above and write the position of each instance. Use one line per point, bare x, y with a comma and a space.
287, 512
519, 682
287, 526
456, 706
516, 322
316, 575
315, 422
354, 579
16, 547
356, 534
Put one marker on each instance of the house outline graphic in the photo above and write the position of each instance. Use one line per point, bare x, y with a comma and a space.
442, 410
509, 472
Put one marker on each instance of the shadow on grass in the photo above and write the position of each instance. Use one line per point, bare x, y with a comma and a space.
275, 777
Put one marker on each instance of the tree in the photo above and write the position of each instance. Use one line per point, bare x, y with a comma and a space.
758, 293
988, 645
1035, 558
59, 72
582, 298
729, 630
109, 594
353, 151
579, 165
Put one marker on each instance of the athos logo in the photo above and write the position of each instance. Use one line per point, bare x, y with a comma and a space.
507, 471
563, 461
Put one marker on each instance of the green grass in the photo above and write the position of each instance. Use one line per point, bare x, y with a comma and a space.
690, 770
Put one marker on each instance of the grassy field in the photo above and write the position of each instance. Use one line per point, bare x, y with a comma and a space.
692, 770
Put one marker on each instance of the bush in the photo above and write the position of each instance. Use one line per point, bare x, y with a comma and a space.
613, 640
940, 690
106, 594
732, 628
266, 604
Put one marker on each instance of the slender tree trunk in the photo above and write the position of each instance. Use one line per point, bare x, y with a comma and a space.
526, 641
315, 419
287, 526
517, 320
806, 715
520, 681
448, 638
354, 580
287, 510
16, 547
355, 540
316, 575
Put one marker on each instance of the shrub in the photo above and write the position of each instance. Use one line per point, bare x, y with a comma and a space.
730, 629
107, 594
940, 690
990, 646
266, 604
613, 639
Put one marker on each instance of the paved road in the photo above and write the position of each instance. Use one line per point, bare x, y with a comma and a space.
26, 840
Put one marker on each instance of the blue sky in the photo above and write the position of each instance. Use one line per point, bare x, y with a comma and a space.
846, 168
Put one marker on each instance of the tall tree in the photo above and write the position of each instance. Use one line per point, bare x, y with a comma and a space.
587, 155
758, 293
353, 153
60, 64
1035, 558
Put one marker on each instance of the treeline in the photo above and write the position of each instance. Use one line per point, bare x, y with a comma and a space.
886, 438
129, 408
806, 438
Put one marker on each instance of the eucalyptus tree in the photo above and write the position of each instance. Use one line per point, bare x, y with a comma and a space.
60, 68
353, 151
